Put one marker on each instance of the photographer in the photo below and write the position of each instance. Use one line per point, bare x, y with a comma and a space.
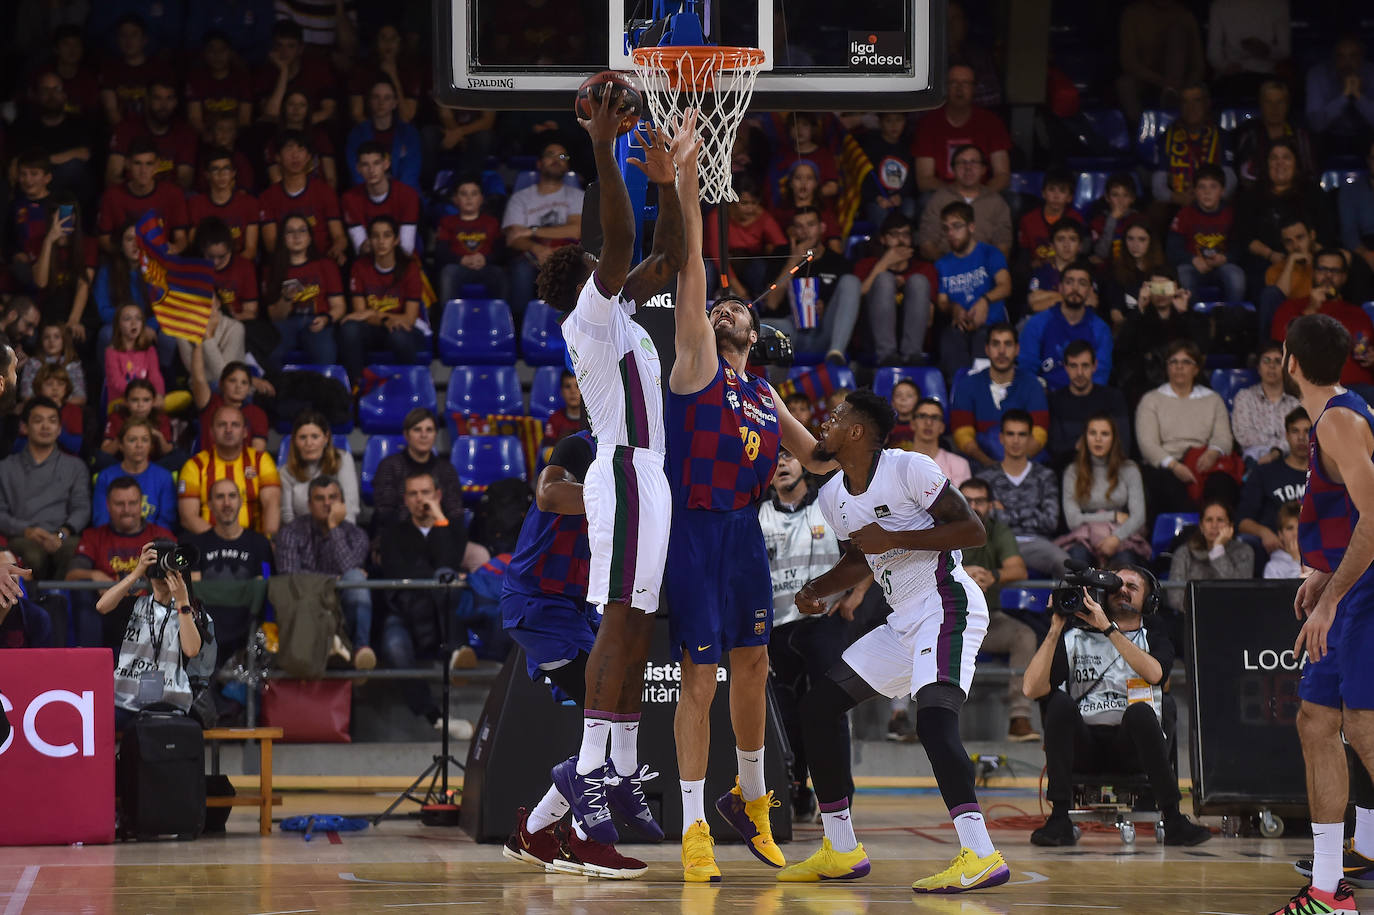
1100, 679
151, 666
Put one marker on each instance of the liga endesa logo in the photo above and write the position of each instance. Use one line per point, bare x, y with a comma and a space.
878, 52
58, 731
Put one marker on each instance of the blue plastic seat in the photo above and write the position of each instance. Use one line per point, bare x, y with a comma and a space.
378, 447
1034, 600
854, 247
480, 390
1167, 527
1336, 178
340, 442
1091, 186
483, 459
546, 391
424, 351
530, 178
928, 381
1229, 382
1028, 183
1109, 124
1369, 309
1154, 123
335, 372
1230, 119
404, 388
541, 336
477, 332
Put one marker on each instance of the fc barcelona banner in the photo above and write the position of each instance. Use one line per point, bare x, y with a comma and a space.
181, 289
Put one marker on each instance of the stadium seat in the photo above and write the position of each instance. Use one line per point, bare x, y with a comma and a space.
1206, 307
1337, 178
340, 442
481, 390
1035, 600
1230, 119
483, 459
855, 247
1106, 129
1229, 382
1153, 125
531, 177
404, 387
477, 332
928, 380
424, 352
378, 447
1168, 526
541, 337
1091, 186
546, 391
335, 372
1369, 309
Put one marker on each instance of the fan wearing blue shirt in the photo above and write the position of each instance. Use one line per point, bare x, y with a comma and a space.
1047, 334
974, 286
154, 481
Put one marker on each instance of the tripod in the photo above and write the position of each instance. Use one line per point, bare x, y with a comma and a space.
436, 805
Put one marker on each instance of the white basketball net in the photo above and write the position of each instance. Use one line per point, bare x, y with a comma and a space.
718, 82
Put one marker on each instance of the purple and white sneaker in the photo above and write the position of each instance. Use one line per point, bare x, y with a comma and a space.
625, 794
586, 795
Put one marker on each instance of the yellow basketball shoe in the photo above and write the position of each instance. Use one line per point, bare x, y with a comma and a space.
828, 864
750, 820
698, 855
967, 872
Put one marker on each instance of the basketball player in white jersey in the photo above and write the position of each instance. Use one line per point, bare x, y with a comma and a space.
899, 520
625, 490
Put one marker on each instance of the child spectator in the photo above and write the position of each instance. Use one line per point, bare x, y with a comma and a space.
1199, 238
52, 382
218, 84
1286, 561
802, 131
312, 454
1115, 213
138, 405
295, 116
298, 192
55, 348
1034, 231
801, 188
136, 443
894, 172
227, 202
386, 288
1067, 240
974, 286
1104, 500
904, 396
305, 295
571, 417
235, 388
131, 356
799, 405
466, 244
378, 195
29, 210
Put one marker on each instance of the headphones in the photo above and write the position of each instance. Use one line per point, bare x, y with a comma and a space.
1153, 600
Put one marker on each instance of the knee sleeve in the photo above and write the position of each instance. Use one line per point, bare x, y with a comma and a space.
571, 678
940, 695
828, 699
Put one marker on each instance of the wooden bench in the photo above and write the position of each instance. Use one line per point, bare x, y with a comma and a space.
264, 800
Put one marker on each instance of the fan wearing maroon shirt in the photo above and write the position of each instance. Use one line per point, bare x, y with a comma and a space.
386, 63
304, 296
109, 552
385, 289
63, 137
289, 67
1329, 272
174, 141
1035, 233
466, 244
140, 192
124, 79
236, 282
379, 195
299, 193
958, 123
295, 115
80, 82
237, 209
217, 85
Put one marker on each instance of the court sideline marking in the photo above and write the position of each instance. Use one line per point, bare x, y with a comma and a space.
21, 890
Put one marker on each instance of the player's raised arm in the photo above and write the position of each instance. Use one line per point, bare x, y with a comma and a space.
617, 216
669, 252
695, 341
798, 441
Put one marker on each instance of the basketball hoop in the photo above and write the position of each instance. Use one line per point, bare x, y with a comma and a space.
718, 82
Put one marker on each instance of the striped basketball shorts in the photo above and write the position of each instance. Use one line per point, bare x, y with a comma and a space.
629, 509
931, 637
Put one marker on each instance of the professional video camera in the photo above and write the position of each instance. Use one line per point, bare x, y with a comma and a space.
172, 557
772, 347
1067, 599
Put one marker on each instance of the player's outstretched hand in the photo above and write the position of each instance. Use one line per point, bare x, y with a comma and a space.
872, 538
686, 143
604, 124
657, 163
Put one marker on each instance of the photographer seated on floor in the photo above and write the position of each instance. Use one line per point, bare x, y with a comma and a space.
1099, 674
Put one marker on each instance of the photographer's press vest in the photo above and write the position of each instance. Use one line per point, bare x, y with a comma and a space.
1101, 681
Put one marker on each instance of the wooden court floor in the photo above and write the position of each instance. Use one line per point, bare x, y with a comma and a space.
402, 867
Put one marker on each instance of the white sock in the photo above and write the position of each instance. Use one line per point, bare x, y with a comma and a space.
973, 832
550, 810
839, 828
577, 828
751, 773
595, 733
1364, 831
1327, 839
625, 746
693, 802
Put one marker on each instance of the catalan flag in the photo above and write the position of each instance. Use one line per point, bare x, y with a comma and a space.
856, 168
181, 289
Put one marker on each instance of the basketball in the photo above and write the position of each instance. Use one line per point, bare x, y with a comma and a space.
631, 104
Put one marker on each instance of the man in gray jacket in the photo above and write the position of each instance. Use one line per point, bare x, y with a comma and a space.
45, 495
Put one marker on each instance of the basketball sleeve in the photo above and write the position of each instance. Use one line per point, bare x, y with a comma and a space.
923, 477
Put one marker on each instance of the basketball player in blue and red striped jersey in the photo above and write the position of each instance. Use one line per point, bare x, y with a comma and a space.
544, 608
724, 429
625, 492
1336, 538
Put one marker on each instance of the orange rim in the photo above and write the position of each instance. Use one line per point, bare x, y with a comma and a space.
706, 61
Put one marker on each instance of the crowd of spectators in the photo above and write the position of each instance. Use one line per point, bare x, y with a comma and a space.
297, 149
